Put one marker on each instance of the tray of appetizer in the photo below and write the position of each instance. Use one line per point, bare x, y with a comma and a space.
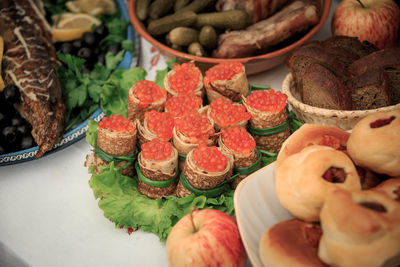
57, 60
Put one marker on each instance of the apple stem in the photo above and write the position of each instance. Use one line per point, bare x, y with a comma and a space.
359, 1
194, 208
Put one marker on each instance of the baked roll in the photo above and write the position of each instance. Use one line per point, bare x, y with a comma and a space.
375, 143
224, 113
155, 125
291, 243
359, 229
184, 79
303, 180
391, 187
313, 134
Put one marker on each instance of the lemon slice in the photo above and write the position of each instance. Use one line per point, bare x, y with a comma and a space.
72, 26
1, 58
93, 7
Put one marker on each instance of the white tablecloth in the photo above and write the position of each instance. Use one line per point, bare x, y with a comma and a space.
49, 216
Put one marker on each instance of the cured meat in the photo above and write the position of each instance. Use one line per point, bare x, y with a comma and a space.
30, 63
257, 9
296, 17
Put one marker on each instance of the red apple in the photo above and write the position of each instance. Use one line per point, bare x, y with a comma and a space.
205, 238
376, 21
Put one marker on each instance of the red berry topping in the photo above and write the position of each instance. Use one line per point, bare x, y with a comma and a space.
185, 78
117, 123
161, 123
156, 149
226, 114
267, 100
209, 158
223, 71
148, 92
238, 139
381, 122
182, 104
196, 126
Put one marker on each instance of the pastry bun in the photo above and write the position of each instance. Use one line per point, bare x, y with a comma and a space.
304, 179
391, 187
291, 243
359, 229
375, 143
312, 134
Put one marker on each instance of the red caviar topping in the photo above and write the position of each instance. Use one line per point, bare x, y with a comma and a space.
227, 114
210, 158
148, 92
156, 149
182, 104
238, 139
381, 122
223, 71
267, 100
185, 78
196, 126
117, 123
161, 123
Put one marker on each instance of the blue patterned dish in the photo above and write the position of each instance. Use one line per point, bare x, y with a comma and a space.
79, 131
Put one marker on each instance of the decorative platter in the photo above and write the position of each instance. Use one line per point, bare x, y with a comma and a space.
257, 207
77, 133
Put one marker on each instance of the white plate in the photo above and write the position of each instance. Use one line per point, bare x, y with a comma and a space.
257, 207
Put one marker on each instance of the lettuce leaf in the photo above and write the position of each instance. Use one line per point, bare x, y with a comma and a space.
123, 204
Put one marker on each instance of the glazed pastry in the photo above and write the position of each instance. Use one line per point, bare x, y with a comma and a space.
303, 180
375, 143
359, 229
291, 243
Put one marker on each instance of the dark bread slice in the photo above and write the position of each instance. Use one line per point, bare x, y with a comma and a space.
323, 89
369, 90
303, 57
393, 73
351, 44
379, 59
346, 57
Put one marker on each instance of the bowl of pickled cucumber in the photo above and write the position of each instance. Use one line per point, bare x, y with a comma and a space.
258, 33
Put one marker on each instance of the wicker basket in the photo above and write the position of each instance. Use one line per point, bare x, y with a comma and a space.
344, 119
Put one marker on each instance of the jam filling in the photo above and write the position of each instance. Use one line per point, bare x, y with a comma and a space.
381, 122
161, 123
271, 100
335, 175
196, 126
182, 104
156, 149
226, 114
331, 141
238, 139
374, 206
117, 123
185, 78
397, 193
313, 235
148, 92
209, 158
223, 71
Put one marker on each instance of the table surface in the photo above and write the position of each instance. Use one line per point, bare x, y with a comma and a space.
48, 213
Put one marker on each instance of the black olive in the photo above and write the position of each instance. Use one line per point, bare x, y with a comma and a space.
85, 53
11, 94
2, 150
16, 120
27, 142
114, 48
9, 134
101, 31
23, 129
89, 39
77, 44
101, 58
4, 120
66, 48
